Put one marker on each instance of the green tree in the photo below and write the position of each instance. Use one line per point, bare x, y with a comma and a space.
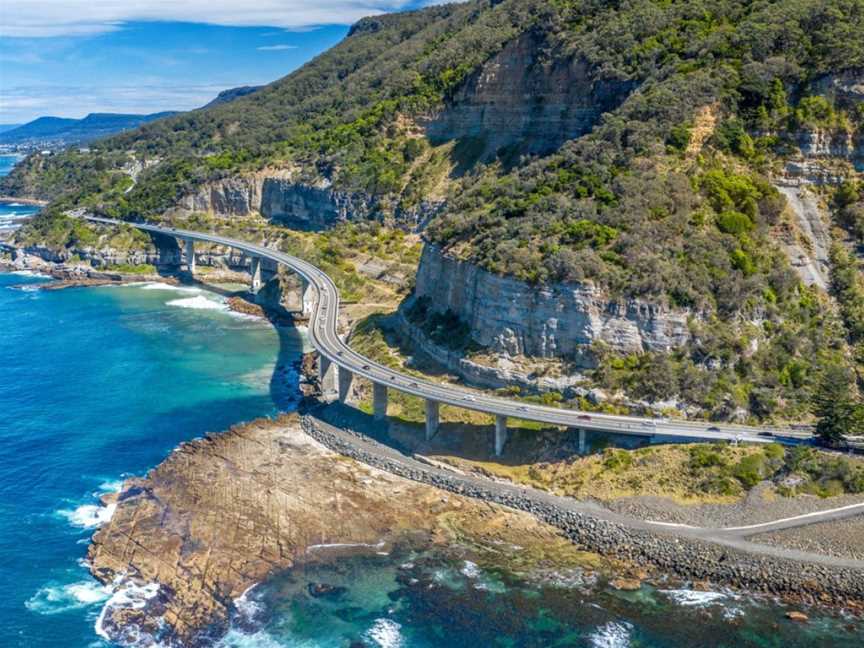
837, 406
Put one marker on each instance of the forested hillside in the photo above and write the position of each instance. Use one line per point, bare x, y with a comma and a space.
633, 145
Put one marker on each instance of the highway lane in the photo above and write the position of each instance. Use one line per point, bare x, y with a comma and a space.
324, 336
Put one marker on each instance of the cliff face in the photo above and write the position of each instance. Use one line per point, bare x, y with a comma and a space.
311, 207
515, 318
236, 196
299, 205
525, 97
832, 144
845, 90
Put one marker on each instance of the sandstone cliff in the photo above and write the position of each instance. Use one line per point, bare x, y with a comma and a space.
515, 318
820, 145
527, 98
297, 204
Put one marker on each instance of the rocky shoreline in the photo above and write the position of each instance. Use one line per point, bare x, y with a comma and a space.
84, 276
688, 558
225, 512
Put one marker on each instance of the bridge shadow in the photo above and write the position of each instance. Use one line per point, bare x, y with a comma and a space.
170, 256
284, 383
472, 441
284, 388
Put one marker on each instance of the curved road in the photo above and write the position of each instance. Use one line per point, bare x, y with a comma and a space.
327, 342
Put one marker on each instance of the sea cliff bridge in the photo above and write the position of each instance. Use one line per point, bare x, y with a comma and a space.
339, 364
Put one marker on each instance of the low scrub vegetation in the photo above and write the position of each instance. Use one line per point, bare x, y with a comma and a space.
690, 473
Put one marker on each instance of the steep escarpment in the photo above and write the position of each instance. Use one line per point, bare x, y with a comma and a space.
514, 318
527, 99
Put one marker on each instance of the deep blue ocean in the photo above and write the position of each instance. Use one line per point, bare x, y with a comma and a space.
97, 384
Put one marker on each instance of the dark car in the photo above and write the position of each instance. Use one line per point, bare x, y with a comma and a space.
584, 417
714, 428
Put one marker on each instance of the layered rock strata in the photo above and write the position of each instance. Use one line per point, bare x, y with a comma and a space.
512, 317
526, 99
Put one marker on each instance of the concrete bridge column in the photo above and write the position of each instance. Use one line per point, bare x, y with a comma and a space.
432, 408
582, 446
190, 256
500, 434
379, 401
256, 275
305, 297
345, 380
327, 376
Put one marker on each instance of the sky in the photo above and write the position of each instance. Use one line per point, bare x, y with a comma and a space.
68, 58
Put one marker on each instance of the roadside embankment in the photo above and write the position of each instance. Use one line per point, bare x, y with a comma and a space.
737, 563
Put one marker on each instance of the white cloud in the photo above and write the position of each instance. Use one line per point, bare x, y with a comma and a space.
20, 103
44, 18
275, 48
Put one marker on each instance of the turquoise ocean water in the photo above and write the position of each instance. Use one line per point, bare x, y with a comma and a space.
100, 383
97, 384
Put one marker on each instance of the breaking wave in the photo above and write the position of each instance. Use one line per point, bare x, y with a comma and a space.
56, 598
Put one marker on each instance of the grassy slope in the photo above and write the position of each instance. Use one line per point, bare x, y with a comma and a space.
689, 474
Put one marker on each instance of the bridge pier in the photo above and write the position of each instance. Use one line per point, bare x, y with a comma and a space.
256, 282
190, 256
379, 401
582, 445
327, 376
500, 434
345, 380
306, 298
432, 417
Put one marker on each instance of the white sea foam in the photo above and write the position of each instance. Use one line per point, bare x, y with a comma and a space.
385, 633
246, 607
345, 545
111, 486
89, 516
471, 570
199, 302
237, 639
53, 599
612, 635
128, 596
692, 598
158, 285
30, 273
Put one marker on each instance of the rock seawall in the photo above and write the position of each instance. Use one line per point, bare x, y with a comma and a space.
686, 557
512, 317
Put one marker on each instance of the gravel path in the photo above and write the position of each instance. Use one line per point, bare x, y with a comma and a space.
842, 538
759, 506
